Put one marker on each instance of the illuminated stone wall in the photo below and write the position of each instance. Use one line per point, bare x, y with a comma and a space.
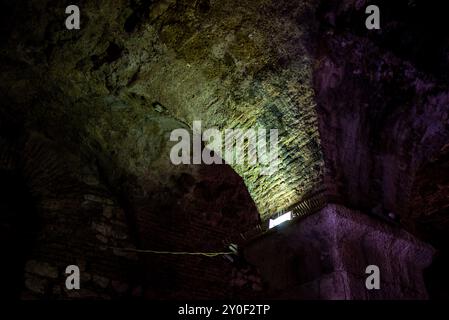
137, 70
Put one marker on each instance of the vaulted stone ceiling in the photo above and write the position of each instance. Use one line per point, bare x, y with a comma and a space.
357, 118
231, 65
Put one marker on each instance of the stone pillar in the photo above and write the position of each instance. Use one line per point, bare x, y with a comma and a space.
325, 255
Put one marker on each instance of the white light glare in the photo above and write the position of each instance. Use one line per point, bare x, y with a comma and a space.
285, 217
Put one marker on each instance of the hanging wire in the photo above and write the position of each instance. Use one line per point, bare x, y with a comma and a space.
206, 254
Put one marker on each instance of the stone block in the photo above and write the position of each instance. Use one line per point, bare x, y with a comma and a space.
325, 256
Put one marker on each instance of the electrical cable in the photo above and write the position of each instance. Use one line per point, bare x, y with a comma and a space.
206, 254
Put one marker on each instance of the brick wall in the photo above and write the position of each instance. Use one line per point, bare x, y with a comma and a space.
72, 217
74, 220
202, 212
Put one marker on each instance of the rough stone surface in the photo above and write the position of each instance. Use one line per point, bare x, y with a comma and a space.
138, 69
324, 256
396, 117
231, 65
74, 222
42, 269
85, 119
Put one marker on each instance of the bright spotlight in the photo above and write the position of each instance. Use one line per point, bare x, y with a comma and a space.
285, 217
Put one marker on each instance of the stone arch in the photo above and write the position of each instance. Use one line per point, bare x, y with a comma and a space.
219, 64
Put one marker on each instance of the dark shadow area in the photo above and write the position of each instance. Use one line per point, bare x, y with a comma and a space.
414, 30
430, 209
18, 228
